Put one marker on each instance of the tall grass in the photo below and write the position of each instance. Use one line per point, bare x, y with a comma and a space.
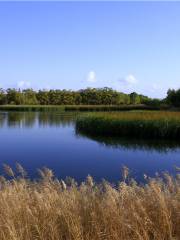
50, 209
75, 107
147, 124
107, 108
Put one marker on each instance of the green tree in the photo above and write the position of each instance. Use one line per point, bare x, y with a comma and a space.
3, 99
30, 97
43, 97
14, 96
134, 98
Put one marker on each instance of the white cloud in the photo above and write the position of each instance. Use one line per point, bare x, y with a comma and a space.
155, 86
129, 80
47, 87
23, 84
91, 77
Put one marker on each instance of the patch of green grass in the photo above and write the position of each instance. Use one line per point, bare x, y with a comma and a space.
146, 125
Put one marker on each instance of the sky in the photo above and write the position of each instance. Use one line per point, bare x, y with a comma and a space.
128, 46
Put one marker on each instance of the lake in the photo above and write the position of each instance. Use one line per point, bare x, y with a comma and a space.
37, 139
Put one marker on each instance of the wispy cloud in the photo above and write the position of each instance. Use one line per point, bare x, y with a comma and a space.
23, 84
126, 84
129, 80
155, 87
91, 77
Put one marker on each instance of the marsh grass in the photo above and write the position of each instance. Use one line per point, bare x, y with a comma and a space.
81, 108
108, 108
142, 124
52, 209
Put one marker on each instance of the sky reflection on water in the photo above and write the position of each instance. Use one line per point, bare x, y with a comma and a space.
50, 139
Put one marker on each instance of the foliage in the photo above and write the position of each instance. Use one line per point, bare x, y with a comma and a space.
173, 97
153, 102
3, 98
89, 96
52, 209
149, 125
135, 98
29, 97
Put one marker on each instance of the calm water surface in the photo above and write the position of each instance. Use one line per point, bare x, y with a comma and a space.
50, 139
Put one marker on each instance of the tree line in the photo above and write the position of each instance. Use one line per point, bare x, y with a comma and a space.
88, 96
173, 97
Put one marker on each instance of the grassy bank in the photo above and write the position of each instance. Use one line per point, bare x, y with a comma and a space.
75, 107
149, 125
49, 209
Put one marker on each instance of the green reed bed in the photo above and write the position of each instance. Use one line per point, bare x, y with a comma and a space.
83, 108
105, 108
149, 125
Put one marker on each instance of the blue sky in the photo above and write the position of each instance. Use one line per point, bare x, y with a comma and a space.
129, 46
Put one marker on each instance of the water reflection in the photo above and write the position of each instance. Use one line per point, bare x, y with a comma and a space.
37, 139
30, 119
133, 144
55, 119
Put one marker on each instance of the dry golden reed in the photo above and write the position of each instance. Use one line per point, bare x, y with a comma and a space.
51, 209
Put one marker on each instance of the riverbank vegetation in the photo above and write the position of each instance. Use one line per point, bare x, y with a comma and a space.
173, 97
63, 210
89, 96
109, 108
89, 99
78, 108
145, 124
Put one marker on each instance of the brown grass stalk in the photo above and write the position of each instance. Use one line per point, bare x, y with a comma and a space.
50, 209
